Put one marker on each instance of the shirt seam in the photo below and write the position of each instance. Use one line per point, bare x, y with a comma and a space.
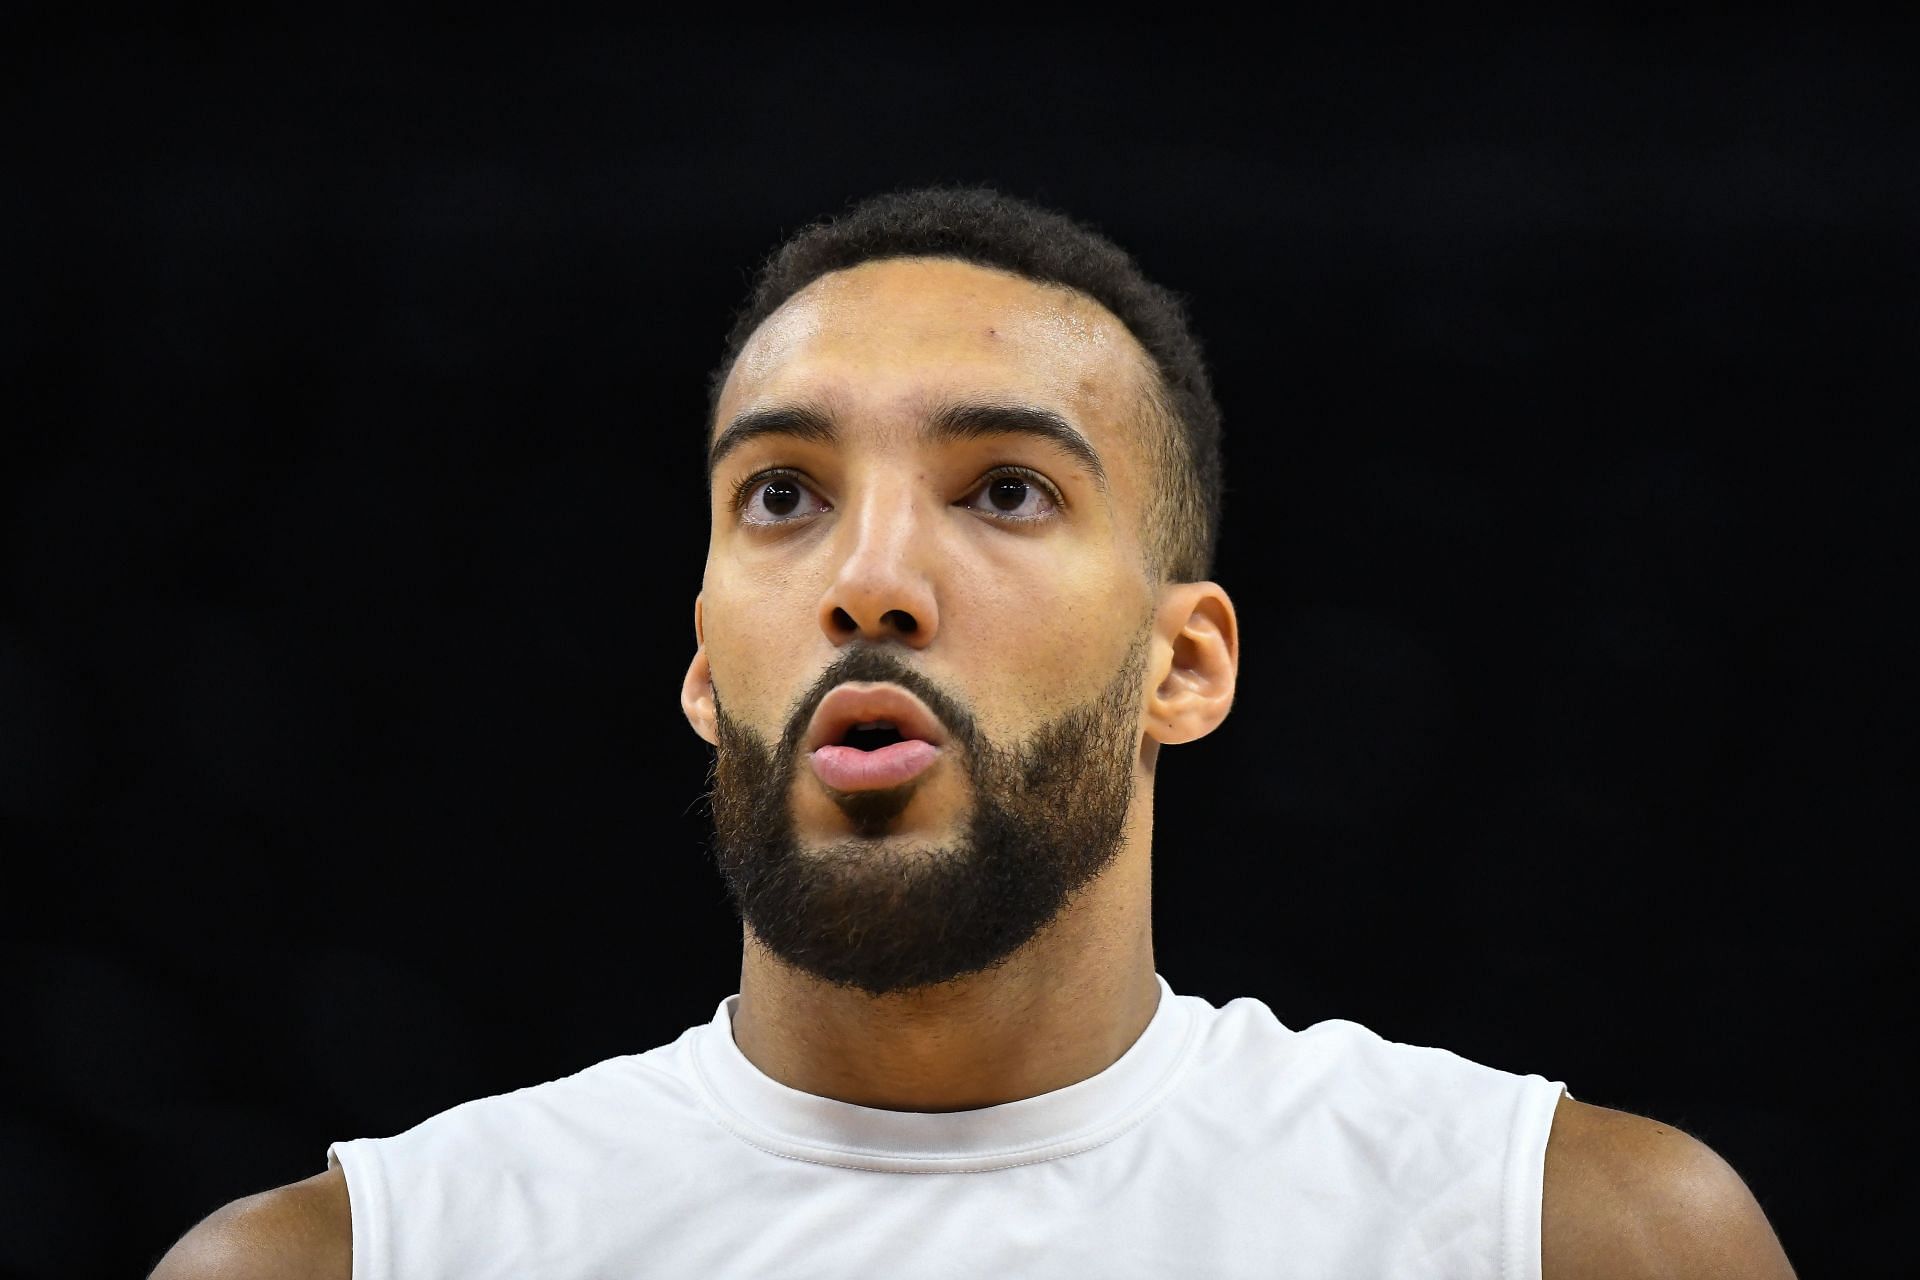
1523, 1135
743, 1130
996, 1167
366, 1212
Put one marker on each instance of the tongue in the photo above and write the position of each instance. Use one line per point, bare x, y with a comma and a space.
851, 769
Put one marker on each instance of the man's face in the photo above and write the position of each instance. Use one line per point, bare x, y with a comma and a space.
924, 616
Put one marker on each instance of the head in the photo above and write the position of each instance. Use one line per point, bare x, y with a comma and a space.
964, 480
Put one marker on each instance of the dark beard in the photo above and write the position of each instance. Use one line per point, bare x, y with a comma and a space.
1048, 816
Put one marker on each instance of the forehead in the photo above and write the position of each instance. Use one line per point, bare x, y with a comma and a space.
895, 336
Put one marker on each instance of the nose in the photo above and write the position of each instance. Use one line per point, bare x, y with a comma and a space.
883, 586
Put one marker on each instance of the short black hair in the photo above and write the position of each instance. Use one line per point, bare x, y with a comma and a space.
988, 228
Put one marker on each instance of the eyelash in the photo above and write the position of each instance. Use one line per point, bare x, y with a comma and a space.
743, 490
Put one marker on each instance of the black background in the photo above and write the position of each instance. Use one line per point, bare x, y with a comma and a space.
353, 517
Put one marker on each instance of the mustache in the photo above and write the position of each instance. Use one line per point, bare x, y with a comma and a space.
871, 663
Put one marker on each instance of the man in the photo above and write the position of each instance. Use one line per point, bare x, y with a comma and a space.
964, 471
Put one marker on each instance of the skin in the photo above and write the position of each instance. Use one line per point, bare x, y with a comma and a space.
1020, 621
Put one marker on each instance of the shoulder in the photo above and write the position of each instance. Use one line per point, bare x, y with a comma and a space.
1628, 1197
302, 1231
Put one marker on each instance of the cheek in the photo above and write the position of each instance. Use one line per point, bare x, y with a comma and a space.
1039, 644
748, 650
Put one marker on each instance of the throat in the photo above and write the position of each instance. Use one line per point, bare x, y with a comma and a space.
989, 1039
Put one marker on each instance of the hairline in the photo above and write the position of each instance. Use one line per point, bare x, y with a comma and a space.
1156, 378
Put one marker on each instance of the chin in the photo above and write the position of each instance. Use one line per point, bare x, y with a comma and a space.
911, 812
884, 827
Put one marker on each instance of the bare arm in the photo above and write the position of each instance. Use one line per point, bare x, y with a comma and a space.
1628, 1198
302, 1231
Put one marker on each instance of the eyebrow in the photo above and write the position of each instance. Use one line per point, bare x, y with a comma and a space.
968, 421
796, 422
951, 423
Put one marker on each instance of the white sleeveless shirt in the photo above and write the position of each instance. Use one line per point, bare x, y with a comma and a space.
1220, 1144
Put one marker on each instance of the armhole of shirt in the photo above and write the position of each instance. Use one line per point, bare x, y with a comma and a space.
366, 1192
1524, 1179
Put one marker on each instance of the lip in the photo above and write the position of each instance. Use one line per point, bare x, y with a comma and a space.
858, 702
848, 769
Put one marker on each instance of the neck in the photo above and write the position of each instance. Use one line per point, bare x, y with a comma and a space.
1061, 1009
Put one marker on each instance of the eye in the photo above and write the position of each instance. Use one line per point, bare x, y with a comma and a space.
775, 498
1015, 494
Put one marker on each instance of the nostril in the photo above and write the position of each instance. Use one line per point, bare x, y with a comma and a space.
898, 621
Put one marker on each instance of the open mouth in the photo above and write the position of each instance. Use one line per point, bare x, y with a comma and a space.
872, 736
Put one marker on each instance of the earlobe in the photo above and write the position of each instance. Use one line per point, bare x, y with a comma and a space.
1198, 635
696, 691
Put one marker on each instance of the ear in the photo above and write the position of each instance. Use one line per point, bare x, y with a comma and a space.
696, 691
1197, 662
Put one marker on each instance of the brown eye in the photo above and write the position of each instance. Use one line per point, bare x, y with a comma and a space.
1018, 496
777, 499
1008, 492
780, 497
